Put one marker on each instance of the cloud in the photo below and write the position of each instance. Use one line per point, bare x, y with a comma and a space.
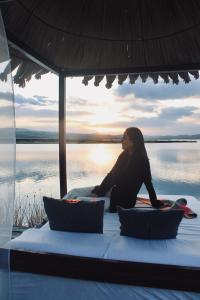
77, 101
76, 113
35, 100
139, 105
160, 91
168, 117
6, 96
45, 121
175, 113
40, 97
33, 113
167, 121
6, 111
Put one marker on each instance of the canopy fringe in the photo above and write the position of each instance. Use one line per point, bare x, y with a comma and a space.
40, 73
165, 77
155, 77
110, 79
122, 78
195, 74
98, 79
27, 69
185, 76
86, 79
144, 77
133, 78
174, 77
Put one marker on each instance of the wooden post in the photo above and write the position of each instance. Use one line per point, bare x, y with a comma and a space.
62, 136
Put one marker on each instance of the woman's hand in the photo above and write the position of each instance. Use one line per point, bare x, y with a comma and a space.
163, 206
94, 192
158, 204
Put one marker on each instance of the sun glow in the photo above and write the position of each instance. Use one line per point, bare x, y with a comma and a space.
102, 118
103, 130
100, 155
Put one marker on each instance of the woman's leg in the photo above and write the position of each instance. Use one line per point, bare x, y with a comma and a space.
113, 200
122, 197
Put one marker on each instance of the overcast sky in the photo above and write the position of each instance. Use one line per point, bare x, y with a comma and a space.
159, 109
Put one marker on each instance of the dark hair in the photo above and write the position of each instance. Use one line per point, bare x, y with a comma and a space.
137, 138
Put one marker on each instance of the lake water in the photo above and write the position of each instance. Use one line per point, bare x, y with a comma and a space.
175, 168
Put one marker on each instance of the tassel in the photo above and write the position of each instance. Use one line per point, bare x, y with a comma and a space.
185, 76
41, 72
98, 79
195, 74
133, 78
86, 79
154, 76
110, 79
174, 77
122, 78
165, 77
144, 77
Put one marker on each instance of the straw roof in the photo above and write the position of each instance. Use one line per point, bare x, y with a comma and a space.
130, 38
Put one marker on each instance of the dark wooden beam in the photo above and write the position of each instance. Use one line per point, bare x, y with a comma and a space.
30, 53
62, 136
135, 70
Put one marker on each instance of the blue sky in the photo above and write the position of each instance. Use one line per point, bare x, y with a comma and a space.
159, 109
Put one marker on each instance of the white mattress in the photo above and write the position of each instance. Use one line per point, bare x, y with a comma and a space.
184, 250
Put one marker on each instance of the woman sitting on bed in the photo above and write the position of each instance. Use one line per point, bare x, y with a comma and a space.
130, 171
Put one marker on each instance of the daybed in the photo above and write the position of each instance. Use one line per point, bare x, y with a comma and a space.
172, 263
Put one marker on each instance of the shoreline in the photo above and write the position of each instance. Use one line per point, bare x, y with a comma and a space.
49, 141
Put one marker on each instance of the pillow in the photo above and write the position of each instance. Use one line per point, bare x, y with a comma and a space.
154, 224
75, 216
91, 199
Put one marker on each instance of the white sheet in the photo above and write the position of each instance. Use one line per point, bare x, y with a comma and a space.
184, 250
35, 287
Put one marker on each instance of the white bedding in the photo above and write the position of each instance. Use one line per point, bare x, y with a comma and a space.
184, 250
27, 286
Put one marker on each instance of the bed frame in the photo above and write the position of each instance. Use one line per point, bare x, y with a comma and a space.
107, 270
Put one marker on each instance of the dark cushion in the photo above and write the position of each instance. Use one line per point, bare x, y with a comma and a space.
80, 216
150, 224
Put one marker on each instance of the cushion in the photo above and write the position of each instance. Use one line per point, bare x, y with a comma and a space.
84, 194
75, 216
79, 192
150, 224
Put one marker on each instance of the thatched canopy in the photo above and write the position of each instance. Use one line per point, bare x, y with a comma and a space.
130, 38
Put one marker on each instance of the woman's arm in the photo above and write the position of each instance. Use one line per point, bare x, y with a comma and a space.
100, 190
152, 194
148, 183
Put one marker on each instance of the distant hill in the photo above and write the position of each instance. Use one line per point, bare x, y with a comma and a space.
26, 134
34, 134
184, 136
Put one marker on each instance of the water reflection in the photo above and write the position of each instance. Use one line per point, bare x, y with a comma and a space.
101, 154
175, 167
178, 162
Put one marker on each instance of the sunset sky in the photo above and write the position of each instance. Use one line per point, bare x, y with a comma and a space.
159, 109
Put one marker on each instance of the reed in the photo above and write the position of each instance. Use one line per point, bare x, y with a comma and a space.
28, 211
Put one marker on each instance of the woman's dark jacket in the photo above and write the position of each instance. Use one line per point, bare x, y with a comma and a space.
126, 179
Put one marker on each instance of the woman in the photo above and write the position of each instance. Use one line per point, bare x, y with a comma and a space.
130, 171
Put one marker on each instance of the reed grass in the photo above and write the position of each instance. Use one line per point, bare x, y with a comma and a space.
28, 211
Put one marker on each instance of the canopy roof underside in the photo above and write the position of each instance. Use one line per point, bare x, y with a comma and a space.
130, 38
